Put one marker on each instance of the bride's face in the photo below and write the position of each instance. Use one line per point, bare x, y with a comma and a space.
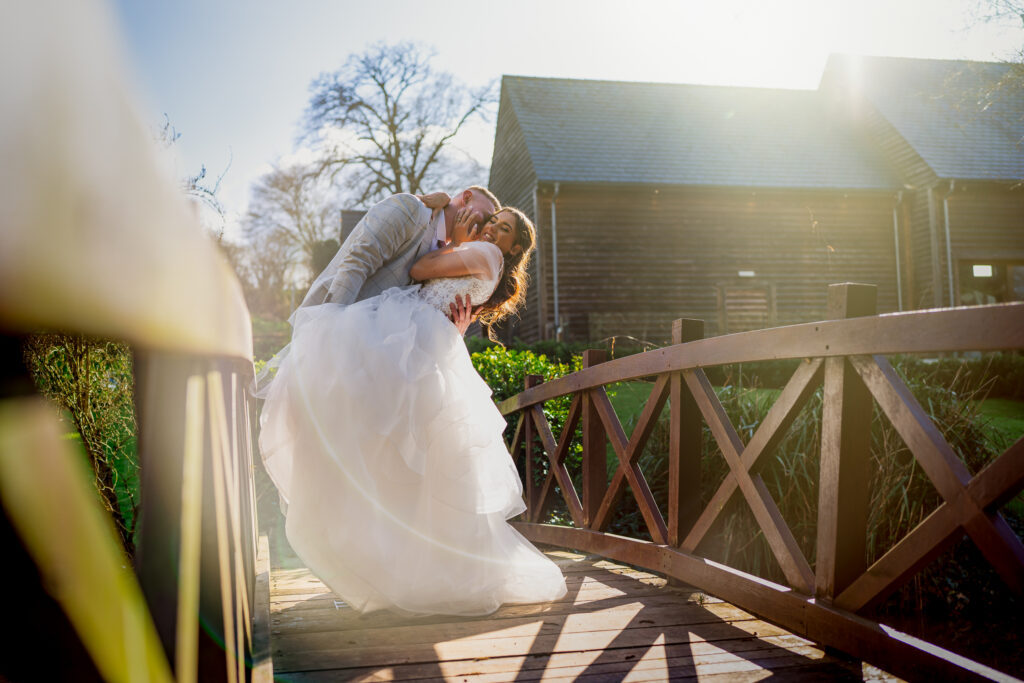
501, 231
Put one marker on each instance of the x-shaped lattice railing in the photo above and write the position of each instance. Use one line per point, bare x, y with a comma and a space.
845, 359
969, 504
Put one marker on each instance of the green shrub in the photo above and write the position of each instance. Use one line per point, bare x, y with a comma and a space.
269, 336
90, 381
479, 344
505, 371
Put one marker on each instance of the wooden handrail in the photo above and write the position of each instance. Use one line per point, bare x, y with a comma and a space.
844, 355
978, 328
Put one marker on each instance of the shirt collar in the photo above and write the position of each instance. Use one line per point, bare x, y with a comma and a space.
440, 229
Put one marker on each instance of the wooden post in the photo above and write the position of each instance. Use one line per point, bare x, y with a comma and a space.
845, 456
160, 403
595, 466
529, 436
188, 569
685, 442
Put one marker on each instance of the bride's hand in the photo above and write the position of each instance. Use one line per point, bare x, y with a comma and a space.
435, 200
467, 225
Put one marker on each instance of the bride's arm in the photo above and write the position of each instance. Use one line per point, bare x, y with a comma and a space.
443, 263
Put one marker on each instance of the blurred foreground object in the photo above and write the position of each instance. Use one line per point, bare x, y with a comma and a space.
93, 236
96, 240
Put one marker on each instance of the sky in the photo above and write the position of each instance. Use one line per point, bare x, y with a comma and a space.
233, 77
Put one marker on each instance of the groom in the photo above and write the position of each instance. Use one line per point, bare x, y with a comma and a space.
381, 248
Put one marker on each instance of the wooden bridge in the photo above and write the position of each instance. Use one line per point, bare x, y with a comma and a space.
211, 605
97, 242
615, 623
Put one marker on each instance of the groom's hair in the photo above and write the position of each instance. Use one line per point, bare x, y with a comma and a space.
487, 193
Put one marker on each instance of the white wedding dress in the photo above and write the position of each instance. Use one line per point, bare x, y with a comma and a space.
387, 450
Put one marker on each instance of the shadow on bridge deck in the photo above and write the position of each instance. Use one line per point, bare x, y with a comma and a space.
615, 623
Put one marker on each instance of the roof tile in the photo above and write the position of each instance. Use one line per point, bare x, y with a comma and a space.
965, 119
626, 132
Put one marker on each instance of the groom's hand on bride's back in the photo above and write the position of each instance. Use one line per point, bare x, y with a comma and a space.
462, 315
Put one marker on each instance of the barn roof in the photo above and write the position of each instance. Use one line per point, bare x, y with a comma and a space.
965, 119
626, 132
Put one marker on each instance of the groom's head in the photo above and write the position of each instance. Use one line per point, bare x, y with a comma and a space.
477, 198
480, 199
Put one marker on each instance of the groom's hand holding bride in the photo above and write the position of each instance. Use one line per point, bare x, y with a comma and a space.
461, 314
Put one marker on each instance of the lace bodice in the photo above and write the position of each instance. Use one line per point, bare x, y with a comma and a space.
478, 256
441, 292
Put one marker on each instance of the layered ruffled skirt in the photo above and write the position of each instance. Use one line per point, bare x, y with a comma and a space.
387, 449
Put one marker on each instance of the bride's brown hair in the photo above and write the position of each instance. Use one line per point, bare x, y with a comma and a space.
510, 292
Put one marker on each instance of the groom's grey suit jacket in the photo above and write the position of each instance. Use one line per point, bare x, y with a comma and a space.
379, 251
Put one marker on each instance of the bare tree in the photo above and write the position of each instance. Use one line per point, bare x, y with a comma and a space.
262, 265
1008, 12
196, 186
387, 119
291, 203
999, 94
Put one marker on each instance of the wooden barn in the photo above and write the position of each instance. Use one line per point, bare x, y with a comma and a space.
737, 205
954, 133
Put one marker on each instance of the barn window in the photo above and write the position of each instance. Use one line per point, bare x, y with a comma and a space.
747, 306
989, 282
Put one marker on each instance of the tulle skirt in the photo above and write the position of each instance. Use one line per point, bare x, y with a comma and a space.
387, 449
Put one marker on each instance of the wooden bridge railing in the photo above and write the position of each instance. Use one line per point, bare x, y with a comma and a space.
846, 356
197, 543
191, 611
98, 241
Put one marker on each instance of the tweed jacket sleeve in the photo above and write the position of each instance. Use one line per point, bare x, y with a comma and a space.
374, 249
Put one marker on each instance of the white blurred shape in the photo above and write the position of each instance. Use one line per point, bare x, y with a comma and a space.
94, 236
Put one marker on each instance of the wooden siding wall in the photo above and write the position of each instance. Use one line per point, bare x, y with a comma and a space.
513, 180
925, 250
650, 257
923, 294
986, 222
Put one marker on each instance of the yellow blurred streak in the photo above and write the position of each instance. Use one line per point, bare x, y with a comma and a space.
218, 432
186, 641
54, 508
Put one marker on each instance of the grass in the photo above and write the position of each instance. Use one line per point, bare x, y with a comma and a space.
1003, 423
1004, 419
629, 398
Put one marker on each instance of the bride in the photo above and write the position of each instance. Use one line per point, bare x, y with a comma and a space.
387, 449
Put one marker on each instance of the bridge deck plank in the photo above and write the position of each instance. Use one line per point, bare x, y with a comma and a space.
615, 623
